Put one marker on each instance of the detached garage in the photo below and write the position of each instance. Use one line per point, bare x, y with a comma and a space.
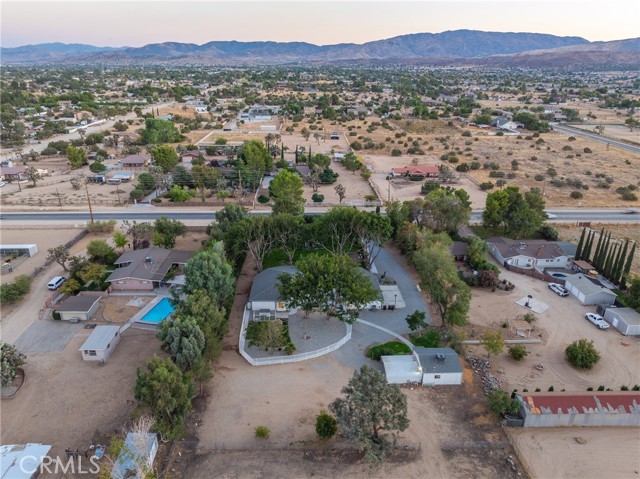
433, 366
587, 292
625, 320
79, 308
401, 369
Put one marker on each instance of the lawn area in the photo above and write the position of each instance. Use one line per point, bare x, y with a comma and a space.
278, 257
431, 338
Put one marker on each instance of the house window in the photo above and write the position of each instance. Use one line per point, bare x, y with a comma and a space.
120, 282
437, 376
90, 353
108, 345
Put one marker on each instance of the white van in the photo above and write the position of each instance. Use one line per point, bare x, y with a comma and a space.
56, 282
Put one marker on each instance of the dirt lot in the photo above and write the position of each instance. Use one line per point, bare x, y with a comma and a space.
64, 399
568, 452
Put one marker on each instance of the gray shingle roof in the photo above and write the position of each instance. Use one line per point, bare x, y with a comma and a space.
432, 364
264, 284
154, 270
538, 249
78, 303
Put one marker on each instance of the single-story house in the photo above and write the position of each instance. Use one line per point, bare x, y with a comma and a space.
530, 254
429, 366
614, 408
79, 308
101, 343
303, 170
588, 290
339, 156
135, 161
625, 320
145, 269
136, 456
22, 461
18, 250
121, 177
264, 299
13, 173
459, 250
422, 171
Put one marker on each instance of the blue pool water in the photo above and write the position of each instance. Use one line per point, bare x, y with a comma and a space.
158, 313
558, 275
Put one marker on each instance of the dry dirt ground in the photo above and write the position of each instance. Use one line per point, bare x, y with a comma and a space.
17, 317
618, 231
457, 436
65, 399
568, 452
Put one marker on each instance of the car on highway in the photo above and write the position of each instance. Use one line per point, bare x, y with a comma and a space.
551, 216
558, 289
597, 320
631, 212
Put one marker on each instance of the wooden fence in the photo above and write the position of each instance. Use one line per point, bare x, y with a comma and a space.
535, 274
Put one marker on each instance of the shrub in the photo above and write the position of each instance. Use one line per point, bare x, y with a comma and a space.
582, 354
262, 432
497, 174
518, 352
10, 359
500, 402
466, 133
576, 195
392, 348
548, 232
263, 199
628, 196
539, 177
326, 425
429, 339
487, 185
463, 167
587, 150
317, 198
396, 152
16, 290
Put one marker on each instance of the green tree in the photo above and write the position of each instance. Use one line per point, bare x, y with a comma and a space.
493, 343
92, 272
166, 231
146, 181
582, 354
210, 271
10, 292
341, 191
229, 215
326, 425
70, 287
253, 235
184, 340
372, 230
158, 131
632, 298
438, 275
167, 392
33, 175
444, 209
120, 240
165, 157
335, 231
100, 252
371, 413
397, 213
417, 320
289, 233
205, 178
255, 156
351, 162
627, 266
10, 359
77, 157
179, 194
286, 189
477, 251
328, 283
60, 254
501, 403
518, 352
581, 244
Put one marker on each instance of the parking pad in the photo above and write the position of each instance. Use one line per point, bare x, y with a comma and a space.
534, 305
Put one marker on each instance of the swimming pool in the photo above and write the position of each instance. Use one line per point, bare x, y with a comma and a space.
158, 313
558, 275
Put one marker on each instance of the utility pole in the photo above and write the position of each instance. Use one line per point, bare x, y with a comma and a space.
86, 188
388, 188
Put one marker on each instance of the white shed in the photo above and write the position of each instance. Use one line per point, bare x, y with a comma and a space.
401, 369
587, 292
100, 343
439, 366
79, 308
625, 320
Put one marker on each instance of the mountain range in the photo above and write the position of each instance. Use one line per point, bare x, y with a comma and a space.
458, 47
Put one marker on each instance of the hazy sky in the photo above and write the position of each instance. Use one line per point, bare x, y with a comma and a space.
118, 23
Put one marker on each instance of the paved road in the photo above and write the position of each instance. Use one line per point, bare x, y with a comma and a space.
598, 138
151, 213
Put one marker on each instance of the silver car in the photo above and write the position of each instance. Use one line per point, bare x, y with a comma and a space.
597, 320
558, 289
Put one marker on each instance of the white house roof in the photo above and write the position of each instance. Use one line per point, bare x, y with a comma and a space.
628, 315
100, 338
402, 365
21, 461
586, 286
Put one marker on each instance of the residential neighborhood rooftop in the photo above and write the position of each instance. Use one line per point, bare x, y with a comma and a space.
439, 360
148, 263
540, 249
264, 287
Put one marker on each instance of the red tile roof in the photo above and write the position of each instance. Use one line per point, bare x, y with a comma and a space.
417, 170
625, 402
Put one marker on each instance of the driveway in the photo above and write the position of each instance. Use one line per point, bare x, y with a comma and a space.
45, 336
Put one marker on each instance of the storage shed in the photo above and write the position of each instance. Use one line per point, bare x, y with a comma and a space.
100, 343
79, 308
625, 320
587, 291
439, 366
401, 369
18, 250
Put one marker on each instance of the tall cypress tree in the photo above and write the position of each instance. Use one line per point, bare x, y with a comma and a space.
296, 154
596, 254
282, 153
580, 245
627, 267
609, 261
587, 254
602, 259
309, 161
620, 263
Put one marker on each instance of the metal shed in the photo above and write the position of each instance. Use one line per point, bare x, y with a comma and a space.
401, 369
22, 461
100, 343
587, 291
625, 320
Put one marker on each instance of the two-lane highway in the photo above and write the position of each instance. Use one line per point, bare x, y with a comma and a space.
556, 216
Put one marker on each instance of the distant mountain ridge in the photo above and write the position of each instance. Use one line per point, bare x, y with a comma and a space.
457, 46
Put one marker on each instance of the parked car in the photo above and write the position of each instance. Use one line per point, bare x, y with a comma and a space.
56, 282
597, 320
558, 289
